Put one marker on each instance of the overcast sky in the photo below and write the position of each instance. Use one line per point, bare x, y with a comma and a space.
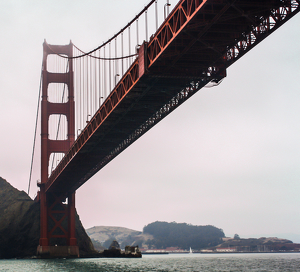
228, 157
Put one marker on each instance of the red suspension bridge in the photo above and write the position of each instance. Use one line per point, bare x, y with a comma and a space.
95, 104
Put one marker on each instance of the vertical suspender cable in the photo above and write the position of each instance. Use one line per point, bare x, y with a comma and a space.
82, 91
156, 15
122, 53
99, 79
90, 86
87, 87
116, 61
80, 99
94, 86
137, 31
103, 77
109, 67
95, 81
146, 24
75, 79
129, 59
113, 70
104, 74
76, 89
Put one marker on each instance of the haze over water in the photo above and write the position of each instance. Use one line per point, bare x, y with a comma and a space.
164, 263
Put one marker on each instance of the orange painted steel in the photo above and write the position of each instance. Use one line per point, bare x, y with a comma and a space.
57, 220
125, 85
195, 45
174, 24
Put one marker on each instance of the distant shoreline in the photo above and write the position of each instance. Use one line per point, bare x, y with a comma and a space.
240, 252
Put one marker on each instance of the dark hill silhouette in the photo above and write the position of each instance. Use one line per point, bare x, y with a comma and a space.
159, 235
183, 235
20, 225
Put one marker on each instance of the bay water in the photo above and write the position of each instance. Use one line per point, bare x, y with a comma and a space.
283, 262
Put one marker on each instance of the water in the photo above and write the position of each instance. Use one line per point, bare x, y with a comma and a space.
283, 262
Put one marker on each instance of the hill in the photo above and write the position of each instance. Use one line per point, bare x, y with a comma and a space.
162, 235
159, 235
182, 235
105, 235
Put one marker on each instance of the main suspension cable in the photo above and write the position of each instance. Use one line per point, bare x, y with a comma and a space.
112, 38
88, 54
35, 130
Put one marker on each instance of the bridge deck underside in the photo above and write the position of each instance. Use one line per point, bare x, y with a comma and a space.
196, 50
142, 102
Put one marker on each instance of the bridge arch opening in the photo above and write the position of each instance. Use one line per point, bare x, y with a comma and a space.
54, 160
58, 93
57, 64
58, 127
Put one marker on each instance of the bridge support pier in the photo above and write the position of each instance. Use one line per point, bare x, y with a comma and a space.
57, 210
58, 252
58, 234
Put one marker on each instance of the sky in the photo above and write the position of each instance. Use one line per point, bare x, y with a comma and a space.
228, 157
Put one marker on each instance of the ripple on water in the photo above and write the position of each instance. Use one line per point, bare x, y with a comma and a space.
164, 263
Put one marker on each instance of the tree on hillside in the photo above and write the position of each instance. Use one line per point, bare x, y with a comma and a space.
236, 237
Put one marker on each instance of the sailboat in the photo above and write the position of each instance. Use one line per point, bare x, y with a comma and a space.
191, 251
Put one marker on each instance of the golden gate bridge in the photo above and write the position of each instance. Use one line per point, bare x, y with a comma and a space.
95, 104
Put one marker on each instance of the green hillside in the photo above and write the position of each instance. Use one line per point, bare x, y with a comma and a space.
159, 235
105, 235
182, 235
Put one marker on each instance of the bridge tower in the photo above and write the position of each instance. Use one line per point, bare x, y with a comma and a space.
57, 210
